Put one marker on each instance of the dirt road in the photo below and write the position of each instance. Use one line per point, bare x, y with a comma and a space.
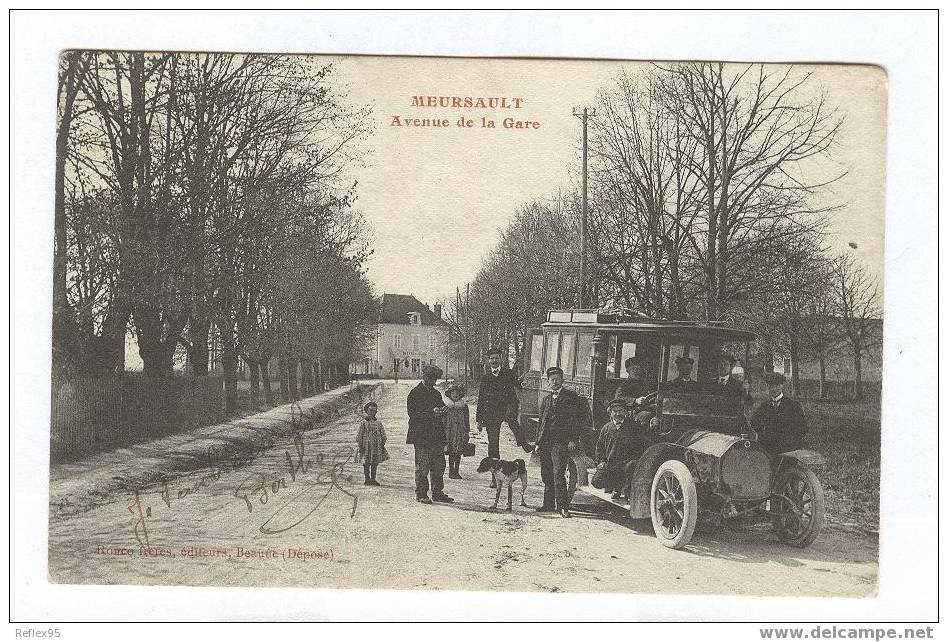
298, 515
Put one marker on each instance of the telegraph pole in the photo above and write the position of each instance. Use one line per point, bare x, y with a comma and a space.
585, 114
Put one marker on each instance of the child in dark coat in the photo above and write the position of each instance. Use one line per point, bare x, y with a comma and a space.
371, 441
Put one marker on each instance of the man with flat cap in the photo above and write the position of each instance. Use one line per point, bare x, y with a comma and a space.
563, 417
497, 402
779, 420
426, 433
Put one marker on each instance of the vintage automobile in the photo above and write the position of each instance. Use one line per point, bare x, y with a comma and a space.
704, 459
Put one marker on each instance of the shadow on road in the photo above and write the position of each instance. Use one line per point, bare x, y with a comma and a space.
751, 543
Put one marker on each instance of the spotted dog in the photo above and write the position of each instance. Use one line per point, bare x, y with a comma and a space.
505, 471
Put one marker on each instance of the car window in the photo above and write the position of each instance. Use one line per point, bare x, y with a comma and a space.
552, 349
678, 350
536, 352
627, 352
567, 354
584, 355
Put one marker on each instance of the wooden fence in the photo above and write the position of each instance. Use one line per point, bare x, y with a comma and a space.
91, 415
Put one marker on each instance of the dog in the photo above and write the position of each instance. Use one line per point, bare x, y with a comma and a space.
508, 471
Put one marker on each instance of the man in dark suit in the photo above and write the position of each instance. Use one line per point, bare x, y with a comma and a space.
636, 395
726, 383
426, 433
563, 417
497, 402
631, 388
684, 381
779, 421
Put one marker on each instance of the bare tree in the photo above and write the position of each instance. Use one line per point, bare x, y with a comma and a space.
123, 142
753, 130
858, 312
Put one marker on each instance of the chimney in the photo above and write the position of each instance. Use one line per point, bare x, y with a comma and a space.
437, 310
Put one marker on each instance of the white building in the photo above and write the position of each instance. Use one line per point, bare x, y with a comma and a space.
409, 334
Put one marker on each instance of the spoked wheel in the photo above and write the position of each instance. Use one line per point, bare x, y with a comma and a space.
674, 504
798, 495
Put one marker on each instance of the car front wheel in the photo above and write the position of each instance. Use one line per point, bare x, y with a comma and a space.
674, 504
798, 496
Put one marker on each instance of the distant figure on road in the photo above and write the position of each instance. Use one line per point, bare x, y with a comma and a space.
457, 428
779, 421
371, 440
497, 402
426, 433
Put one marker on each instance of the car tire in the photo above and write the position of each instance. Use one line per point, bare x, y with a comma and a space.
803, 486
674, 504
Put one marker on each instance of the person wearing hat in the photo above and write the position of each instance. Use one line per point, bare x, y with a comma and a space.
730, 384
726, 382
497, 402
563, 417
641, 404
779, 420
426, 434
621, 443
632, 386
684, 382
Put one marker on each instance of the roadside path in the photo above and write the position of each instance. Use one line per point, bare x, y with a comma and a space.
323, 528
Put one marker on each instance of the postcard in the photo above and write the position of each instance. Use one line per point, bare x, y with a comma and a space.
549, 325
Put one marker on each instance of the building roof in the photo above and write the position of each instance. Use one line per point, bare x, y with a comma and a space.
394, 308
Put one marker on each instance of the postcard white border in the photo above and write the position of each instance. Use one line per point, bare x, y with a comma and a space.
903, 43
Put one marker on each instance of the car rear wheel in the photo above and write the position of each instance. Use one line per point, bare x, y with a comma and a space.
798, 494
674, 504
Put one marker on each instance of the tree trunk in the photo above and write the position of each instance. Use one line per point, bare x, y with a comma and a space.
198, 353
822, 361
794, 365
306, 378
229, 365
857, 366
65, 339
291, 380
254, 384
265, 377
319, 374
104, 354
157, 357
768, 358
284, 376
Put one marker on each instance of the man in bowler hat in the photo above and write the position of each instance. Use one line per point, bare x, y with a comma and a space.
563, 417
497, 403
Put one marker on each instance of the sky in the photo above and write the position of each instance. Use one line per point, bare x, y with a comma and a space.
436, 199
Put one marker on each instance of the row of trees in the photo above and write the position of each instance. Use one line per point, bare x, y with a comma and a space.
201, 195
708, 200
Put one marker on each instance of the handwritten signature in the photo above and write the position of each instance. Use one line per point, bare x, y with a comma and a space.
257, 489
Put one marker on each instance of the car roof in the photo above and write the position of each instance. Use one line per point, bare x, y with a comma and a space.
632, 322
